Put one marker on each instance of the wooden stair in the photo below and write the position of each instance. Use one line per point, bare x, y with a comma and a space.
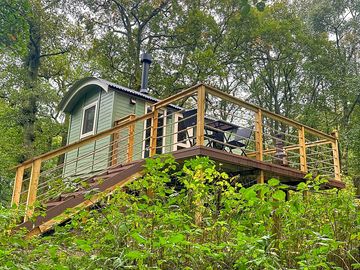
67, 204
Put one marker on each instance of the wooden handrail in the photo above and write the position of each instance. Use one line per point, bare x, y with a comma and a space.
267, 113
75, 145
182, 94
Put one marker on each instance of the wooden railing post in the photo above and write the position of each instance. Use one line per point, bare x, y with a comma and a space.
115, 149
302, 149
153, 132
130, 150
33, 186
200, 123
259, 141
336, 156
15, 200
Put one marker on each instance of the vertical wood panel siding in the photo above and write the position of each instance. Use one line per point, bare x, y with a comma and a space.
103, 122
122, 108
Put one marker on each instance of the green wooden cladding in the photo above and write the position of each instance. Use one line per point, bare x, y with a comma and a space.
112, 105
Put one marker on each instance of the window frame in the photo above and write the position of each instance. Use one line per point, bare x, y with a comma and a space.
92, 132
189, 131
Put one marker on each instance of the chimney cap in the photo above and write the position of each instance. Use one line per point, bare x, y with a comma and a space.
146, 57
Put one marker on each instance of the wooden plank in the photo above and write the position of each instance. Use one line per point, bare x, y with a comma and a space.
33, 185
15, 200
130, 151
336, 157
302, 149
258, 135
200, 125
215, 92
153, 132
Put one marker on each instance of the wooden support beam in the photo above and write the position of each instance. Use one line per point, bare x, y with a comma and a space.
336, 156
15, 200
302, 149
130, 150
258, 135
153, 132
33, 186
261, 177
200, 125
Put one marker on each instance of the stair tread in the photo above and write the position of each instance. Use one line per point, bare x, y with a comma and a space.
72, 194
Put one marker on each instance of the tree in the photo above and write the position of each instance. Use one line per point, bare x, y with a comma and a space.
27, 68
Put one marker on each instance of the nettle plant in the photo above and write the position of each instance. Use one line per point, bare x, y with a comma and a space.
195, 216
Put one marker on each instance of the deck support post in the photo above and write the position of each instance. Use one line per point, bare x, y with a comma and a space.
153, 132
130, 150
200, 125
259, 142
302, 149
15, 200
336, 156
33, 186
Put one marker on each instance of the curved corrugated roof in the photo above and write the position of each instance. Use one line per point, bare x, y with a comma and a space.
78, 89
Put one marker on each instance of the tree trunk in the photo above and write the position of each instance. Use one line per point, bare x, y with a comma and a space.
31, 93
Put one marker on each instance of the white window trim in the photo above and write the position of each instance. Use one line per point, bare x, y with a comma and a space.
147, 105
189, 131
95, 119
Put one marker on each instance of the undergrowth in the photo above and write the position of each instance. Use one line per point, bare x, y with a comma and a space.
196, 217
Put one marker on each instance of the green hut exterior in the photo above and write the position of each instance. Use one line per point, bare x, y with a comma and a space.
94, 105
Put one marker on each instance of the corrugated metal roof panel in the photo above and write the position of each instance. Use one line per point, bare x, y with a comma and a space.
135, 93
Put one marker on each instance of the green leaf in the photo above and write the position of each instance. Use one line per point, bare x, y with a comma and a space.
135, 254
83, 245
302, 186
138, 238
273, 182
176, 238
279, 195
250, 194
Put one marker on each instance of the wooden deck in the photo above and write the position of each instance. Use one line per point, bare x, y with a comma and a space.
66, 205
277, 147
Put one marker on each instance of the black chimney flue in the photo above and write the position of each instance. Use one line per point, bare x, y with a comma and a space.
146, 61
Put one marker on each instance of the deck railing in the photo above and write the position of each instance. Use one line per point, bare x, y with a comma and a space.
272, 138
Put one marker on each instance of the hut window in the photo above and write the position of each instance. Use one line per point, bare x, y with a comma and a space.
88, 120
